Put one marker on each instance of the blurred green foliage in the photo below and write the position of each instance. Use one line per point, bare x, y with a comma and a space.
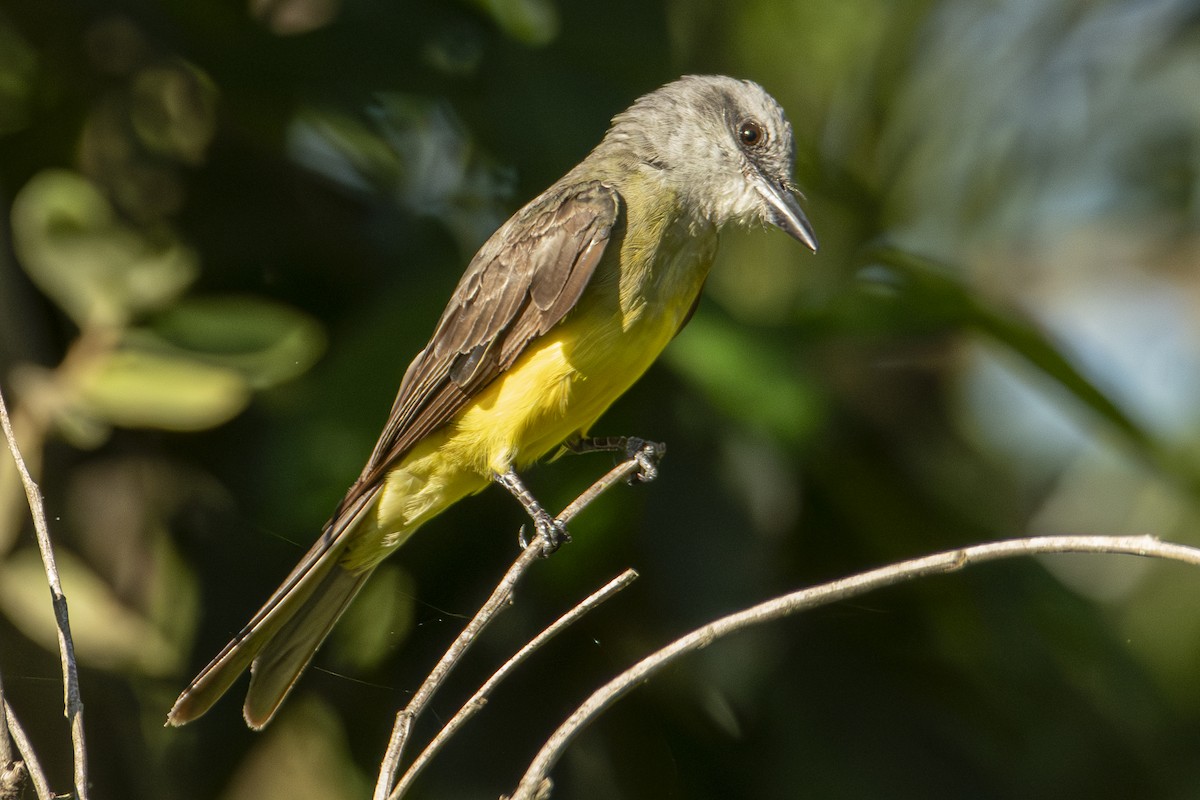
230, 226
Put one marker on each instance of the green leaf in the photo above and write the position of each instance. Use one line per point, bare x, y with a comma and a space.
107, 633
746, 377
138, 389
532, 22
267, 343
174, 110
97, 269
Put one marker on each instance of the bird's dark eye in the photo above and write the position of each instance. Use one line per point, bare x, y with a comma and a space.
750, 133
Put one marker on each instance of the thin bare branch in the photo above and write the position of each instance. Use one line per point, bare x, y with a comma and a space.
37, 775
533, 784
500, 598
12, 769
6, 746
73, 701
479, 699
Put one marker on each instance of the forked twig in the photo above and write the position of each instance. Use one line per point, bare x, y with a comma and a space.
499, 599
479, 699
37, 775
534, 784
13, 770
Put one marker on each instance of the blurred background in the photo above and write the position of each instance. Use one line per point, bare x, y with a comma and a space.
228, 226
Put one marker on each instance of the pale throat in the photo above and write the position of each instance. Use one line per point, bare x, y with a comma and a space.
666, 254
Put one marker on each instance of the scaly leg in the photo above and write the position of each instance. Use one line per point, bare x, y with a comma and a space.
645, 452
553, 532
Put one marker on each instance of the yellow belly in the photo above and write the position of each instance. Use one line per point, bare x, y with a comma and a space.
557, 389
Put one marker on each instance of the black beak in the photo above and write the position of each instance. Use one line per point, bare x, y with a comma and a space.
785, 213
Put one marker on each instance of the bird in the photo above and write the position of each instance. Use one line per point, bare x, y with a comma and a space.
561, 310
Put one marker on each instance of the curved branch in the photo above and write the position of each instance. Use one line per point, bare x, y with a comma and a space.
66, 647
479, 699
500, 598
532, 784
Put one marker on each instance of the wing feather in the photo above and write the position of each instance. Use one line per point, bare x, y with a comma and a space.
522, 283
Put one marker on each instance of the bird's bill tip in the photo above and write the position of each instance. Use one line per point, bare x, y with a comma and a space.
784, 212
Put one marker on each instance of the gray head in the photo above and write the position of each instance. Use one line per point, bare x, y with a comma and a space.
724, 145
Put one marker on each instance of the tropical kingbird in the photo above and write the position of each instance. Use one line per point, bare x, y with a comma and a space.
559, 312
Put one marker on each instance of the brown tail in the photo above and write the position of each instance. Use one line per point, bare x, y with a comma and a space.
281, 639
284, 656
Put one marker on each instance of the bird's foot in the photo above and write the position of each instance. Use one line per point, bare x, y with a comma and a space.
552, 533
645, 452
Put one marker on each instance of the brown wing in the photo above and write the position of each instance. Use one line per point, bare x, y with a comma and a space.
520, 284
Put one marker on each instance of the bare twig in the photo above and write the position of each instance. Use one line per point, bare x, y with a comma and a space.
479, 699
533, 783
73, 701
12, 769
499, 599
37, 775
6, 747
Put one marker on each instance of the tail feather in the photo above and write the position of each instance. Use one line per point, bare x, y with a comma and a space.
282, 658
298, 612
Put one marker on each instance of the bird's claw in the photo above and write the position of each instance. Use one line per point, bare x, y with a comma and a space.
552, 533
647, 455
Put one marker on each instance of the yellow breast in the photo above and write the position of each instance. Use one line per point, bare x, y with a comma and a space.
639, 296
634, 305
